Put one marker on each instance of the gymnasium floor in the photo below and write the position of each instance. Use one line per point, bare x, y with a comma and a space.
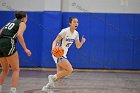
79, 82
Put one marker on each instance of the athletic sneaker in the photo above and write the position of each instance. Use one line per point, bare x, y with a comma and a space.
50, 84
45, 88
12, 92
51, 80
0, 88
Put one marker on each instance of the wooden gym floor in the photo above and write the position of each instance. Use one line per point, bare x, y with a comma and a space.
78, 82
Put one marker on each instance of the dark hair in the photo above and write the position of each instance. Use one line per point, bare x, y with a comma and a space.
20, 14
71, 18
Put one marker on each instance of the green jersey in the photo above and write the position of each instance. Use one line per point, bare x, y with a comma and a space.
8, 38
10, 30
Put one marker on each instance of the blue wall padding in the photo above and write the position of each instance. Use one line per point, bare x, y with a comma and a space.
52, 25
113, 40
136, 43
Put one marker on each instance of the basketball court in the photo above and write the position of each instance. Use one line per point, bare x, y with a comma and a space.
79, 82
109, 60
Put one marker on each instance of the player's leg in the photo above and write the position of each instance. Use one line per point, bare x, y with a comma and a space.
13, 61
59, 69
5, 70
66, 69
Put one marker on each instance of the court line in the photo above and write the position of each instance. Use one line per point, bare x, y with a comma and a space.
85, 70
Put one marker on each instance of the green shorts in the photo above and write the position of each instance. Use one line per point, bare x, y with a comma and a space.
7, 47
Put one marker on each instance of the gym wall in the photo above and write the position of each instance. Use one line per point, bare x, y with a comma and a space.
111, 28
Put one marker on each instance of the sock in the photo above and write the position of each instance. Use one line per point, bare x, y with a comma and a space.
0, 88
55, 77
13, 89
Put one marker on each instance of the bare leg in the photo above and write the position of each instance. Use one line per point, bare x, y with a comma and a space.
67, 69
13, 61
64, 68
5, 69
59, 68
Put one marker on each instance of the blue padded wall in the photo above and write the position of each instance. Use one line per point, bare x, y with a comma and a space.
51, 27
113, 40
136, 42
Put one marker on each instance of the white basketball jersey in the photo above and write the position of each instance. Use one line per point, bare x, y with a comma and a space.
68, 38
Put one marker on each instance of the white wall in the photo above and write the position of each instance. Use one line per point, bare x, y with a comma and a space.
52, 5
30, 5
33, 5
102, 6
94, 6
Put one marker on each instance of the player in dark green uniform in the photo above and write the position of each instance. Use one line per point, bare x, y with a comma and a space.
8, 54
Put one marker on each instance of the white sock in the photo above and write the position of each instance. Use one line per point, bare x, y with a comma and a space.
0, 88
13, 89
55, 77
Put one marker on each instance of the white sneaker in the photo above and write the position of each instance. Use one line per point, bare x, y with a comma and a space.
47, 90
44, 89
13, 92
50, 84
0, 88
51, 80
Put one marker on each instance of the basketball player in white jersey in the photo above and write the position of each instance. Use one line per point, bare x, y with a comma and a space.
67, 36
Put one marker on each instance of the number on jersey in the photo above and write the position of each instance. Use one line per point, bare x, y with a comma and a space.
9, 26
68, 44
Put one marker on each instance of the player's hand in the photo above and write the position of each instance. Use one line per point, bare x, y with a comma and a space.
28, 52
83, 39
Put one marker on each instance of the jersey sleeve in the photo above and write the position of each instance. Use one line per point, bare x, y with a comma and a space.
77, 36
62, 33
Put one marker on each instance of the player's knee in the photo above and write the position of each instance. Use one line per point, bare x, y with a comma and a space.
70, 70
16, 69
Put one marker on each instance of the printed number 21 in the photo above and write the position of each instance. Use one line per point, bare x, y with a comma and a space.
68, 44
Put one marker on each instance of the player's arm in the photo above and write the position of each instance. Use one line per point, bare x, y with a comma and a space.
20, 32
78, 43
58, 38
1, 30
